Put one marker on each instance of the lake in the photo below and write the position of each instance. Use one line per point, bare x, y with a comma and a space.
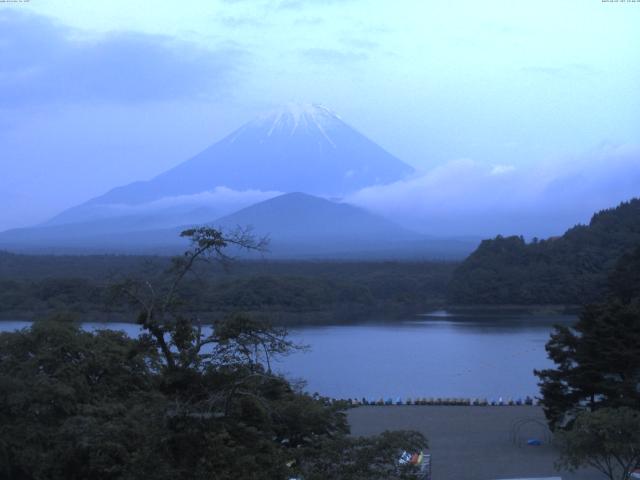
433, 355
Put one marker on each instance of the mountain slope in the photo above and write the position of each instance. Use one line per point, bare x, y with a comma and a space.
302, 216
571, 269
300, 225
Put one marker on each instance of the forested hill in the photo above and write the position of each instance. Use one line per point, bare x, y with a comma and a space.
571, 269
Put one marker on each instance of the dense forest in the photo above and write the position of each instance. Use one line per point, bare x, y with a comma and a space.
567, 270
283, 291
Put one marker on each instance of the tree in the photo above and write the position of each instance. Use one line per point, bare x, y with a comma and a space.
607, 439
598, 360
180, 401
180, 338
75, 404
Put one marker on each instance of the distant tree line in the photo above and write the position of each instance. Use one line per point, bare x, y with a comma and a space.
283, 291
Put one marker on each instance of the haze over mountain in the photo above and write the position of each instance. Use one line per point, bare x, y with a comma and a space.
297, 225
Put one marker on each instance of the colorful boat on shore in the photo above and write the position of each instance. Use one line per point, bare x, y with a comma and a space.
418, 462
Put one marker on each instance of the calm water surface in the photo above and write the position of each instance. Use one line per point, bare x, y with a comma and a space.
435, 355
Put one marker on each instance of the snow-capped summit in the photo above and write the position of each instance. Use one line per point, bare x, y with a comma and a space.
299, 147
295, 118
292, 116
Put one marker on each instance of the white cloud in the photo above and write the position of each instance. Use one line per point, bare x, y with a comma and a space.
220, 198
500, 169
170, 211
465, 197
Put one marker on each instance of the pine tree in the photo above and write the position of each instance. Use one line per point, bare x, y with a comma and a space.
597, 360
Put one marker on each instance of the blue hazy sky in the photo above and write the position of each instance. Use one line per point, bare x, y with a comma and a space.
98, 94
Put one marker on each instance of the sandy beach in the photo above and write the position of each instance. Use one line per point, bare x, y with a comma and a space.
473, 443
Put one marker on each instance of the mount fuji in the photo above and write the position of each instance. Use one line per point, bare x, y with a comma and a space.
297, 148
247, 178
304, 148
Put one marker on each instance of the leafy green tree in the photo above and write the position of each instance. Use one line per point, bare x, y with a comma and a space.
607, 439
178, 337
598, 360
74, 404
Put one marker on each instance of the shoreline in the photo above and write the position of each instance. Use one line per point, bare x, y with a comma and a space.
515, 309
355, 316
